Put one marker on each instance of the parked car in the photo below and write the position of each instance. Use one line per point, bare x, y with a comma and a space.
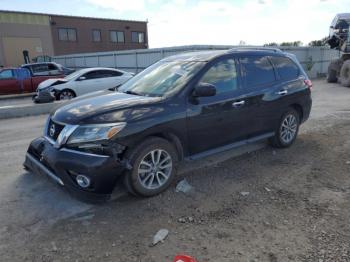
47, 68
80, 82
20, 80
183, 107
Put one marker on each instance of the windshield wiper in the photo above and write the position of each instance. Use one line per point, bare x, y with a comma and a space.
114, 88
129, 92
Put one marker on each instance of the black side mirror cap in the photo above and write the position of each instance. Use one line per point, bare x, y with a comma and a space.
204, 90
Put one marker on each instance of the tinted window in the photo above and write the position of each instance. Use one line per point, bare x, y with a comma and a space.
114, 73
286, 68
6, 74
53, 69
222, 75
93, 75
256, 71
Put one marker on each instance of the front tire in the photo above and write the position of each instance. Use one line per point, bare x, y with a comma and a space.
345, 74
287, 130
333, 69
154, 166
66, 94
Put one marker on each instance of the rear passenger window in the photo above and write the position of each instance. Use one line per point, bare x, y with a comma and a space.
256, 71
286, 68
222, 75
110, 73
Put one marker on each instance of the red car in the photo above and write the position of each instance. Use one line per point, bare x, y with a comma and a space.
22, 80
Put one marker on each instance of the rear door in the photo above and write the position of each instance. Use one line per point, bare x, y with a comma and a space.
221, 119
8, 82
117, 78
259, 83
290, 88
111, 78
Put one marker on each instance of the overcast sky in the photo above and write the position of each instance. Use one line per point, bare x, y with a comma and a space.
189, 22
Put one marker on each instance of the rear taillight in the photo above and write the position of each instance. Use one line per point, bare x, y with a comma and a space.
184, 258
308, 83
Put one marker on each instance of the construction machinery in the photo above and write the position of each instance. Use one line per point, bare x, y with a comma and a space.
339, 39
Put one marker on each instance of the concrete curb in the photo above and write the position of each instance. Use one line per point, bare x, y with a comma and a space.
13, 111
5, 97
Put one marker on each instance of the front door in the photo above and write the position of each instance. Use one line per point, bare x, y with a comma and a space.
8, 82
221, 119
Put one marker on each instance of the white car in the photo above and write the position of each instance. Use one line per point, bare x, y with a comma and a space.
80, 82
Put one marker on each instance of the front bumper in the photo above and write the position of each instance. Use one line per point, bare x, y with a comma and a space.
62, 165
44, 96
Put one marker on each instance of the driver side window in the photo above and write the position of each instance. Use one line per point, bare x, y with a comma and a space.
223, 75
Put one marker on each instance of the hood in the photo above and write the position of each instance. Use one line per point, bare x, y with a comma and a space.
79, 110
51, 82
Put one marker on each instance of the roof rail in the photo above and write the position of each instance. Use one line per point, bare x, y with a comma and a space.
238, 48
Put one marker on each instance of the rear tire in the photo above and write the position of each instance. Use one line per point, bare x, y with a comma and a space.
333, 70
287, 130
154, 163
345, 74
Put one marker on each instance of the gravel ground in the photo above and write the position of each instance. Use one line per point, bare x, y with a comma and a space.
266, 205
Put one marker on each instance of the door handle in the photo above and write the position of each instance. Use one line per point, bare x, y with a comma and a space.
282, 92
238, 103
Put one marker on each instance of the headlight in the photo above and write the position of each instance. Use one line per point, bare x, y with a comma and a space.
91, 133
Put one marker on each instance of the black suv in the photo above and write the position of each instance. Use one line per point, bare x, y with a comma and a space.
183, 107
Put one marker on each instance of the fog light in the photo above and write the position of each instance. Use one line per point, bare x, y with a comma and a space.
83, 181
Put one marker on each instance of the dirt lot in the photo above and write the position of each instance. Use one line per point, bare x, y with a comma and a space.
267, 205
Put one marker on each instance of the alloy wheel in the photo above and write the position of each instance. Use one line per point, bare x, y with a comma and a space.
155, 169
66, 95
288, 128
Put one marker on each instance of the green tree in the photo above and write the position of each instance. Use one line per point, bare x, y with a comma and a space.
271, 44
295, 43
321, 42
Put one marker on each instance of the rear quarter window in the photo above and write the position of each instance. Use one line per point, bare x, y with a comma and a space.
286, 68
256, 71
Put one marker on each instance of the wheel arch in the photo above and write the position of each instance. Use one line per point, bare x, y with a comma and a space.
173, 139
169, 136
299, 109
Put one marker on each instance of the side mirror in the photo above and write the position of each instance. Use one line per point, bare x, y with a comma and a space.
81, 78
204, 90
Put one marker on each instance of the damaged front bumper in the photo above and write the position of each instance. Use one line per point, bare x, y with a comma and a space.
44, 96
64, 165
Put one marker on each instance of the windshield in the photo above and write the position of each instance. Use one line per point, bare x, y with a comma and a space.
162, 78
73, 75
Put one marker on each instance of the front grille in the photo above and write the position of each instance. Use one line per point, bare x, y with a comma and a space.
54, 129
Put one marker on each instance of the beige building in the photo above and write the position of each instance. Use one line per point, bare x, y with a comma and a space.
23, 31
49, 35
